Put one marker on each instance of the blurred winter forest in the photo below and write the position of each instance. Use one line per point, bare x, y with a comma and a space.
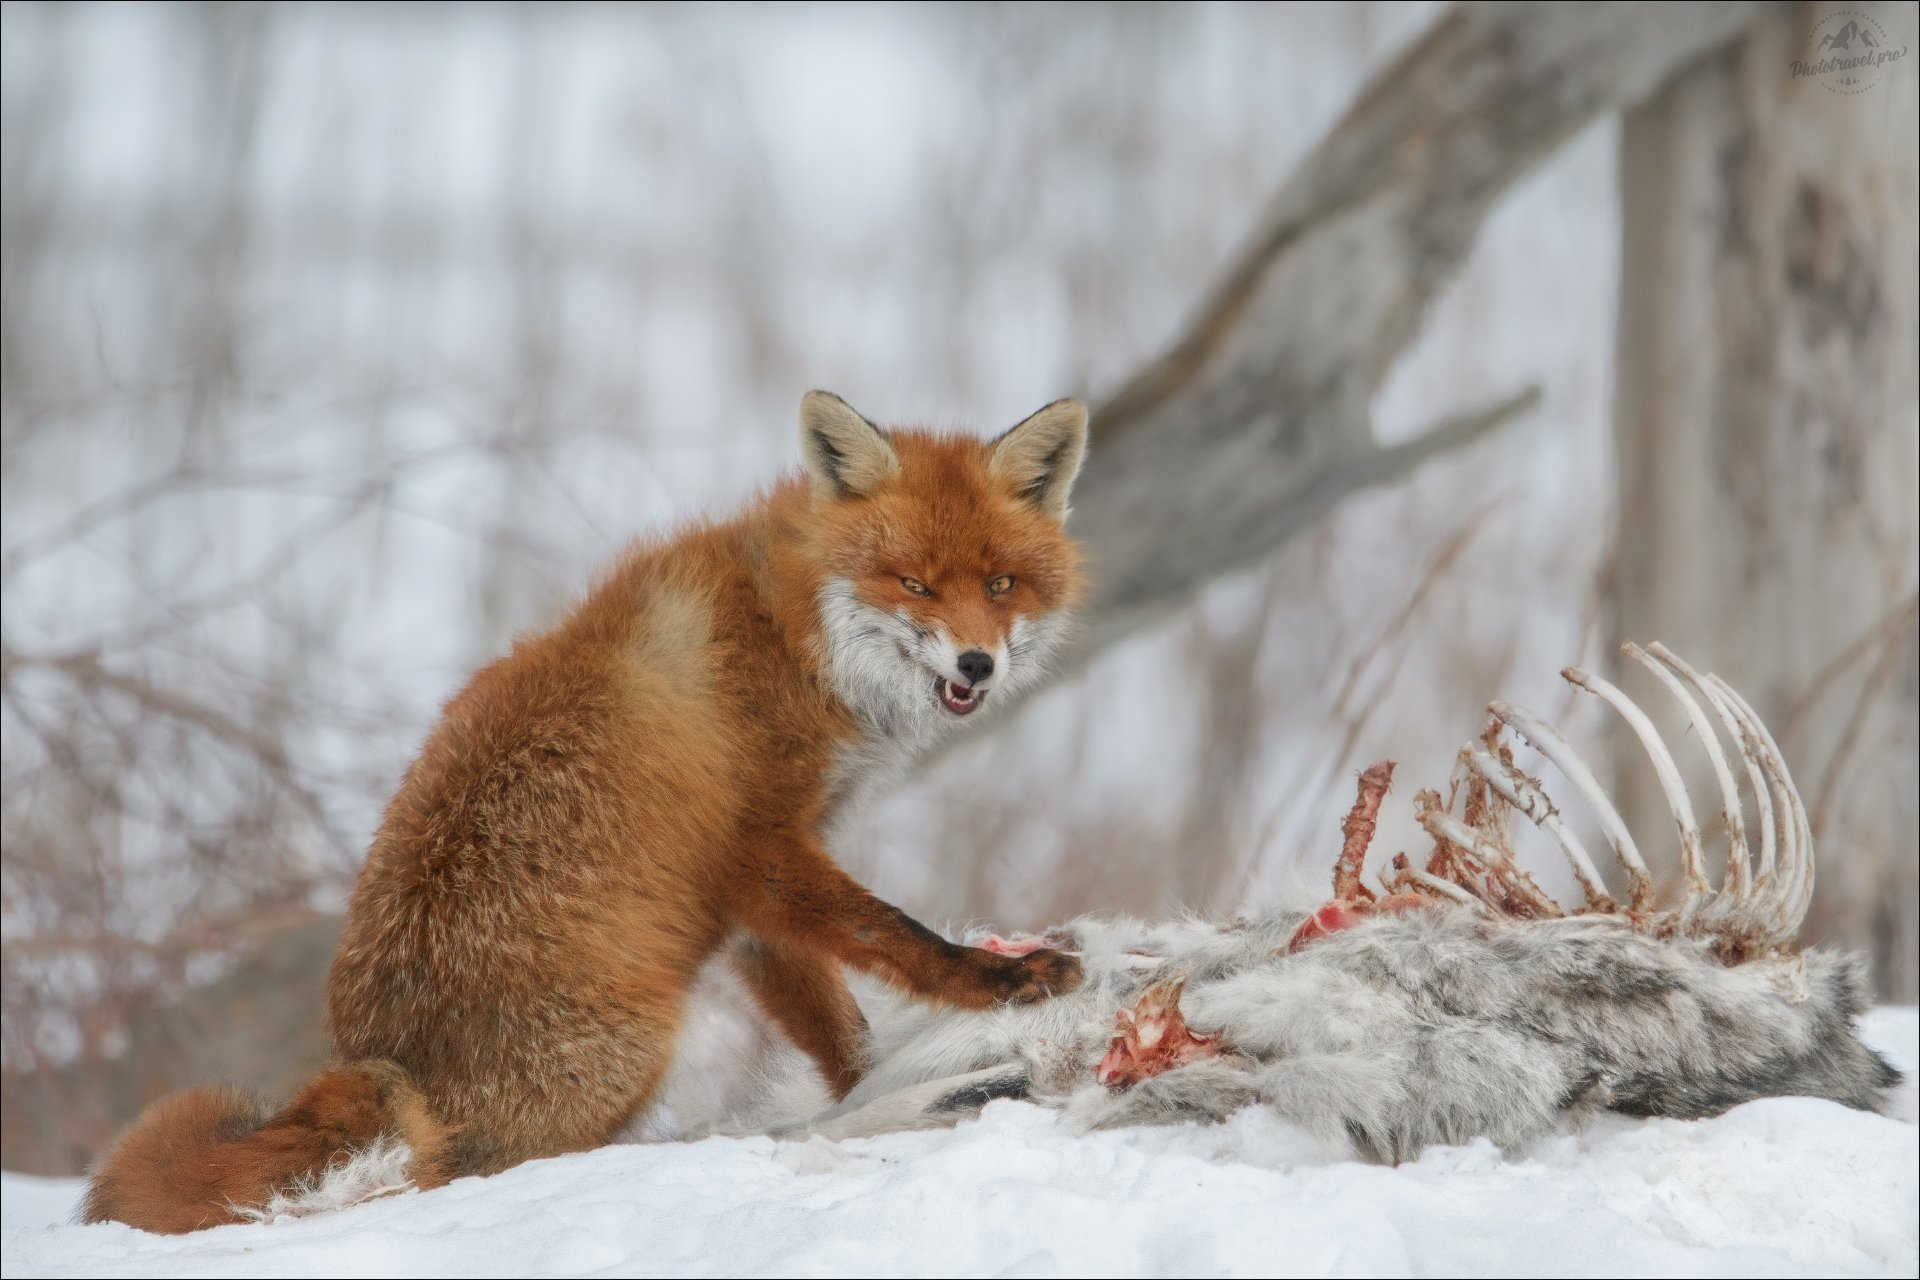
342, 342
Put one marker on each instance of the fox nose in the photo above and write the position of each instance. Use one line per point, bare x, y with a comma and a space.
975, 664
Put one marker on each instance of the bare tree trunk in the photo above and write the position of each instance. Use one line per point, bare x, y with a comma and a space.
1767, 435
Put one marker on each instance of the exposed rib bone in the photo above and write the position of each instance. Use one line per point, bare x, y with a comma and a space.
1499, 864
1357, 830
1772, 890
1524, 794
1669, 773
1405, 873
1734, 880
1780, 794
1796, 833
1547, 740
1756, 882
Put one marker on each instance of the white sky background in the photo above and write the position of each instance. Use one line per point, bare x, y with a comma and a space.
565, 272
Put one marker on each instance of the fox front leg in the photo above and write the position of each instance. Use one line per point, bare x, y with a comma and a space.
794, 892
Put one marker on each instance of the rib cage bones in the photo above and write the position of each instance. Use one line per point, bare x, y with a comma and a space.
1763, 894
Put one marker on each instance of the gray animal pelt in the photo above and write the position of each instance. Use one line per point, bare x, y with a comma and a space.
1458, 1002
1431, 1026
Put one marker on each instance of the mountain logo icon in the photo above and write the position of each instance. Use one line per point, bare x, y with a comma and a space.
1847, 52
1844, 40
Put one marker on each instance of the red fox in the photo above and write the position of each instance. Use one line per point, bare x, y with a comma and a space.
651, 781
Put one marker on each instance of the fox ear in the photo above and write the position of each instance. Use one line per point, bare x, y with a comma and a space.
847, 456
1043, 454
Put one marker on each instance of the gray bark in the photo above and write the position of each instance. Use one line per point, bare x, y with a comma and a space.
1254, 423
1766, 435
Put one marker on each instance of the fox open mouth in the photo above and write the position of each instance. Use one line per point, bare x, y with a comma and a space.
961, 699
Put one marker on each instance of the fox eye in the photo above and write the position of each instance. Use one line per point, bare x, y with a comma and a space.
915, 587
1000, 585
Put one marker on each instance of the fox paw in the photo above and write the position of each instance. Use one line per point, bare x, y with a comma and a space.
1038, 975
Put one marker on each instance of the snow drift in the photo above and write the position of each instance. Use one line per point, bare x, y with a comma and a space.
1784, 1186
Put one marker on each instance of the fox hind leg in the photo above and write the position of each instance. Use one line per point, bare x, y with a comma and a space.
803, 991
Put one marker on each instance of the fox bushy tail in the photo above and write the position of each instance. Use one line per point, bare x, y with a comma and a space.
215, 1155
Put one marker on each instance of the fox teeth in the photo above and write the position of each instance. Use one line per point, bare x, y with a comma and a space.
959, 698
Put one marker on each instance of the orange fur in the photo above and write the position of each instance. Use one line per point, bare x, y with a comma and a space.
196, 1159
600, 811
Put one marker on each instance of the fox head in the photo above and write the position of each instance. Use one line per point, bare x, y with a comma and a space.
947, 571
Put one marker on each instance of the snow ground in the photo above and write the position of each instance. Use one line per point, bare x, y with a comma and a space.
1787, 1186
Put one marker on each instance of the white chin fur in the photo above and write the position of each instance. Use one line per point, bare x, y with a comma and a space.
373, 1171
871, 659
885, 667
